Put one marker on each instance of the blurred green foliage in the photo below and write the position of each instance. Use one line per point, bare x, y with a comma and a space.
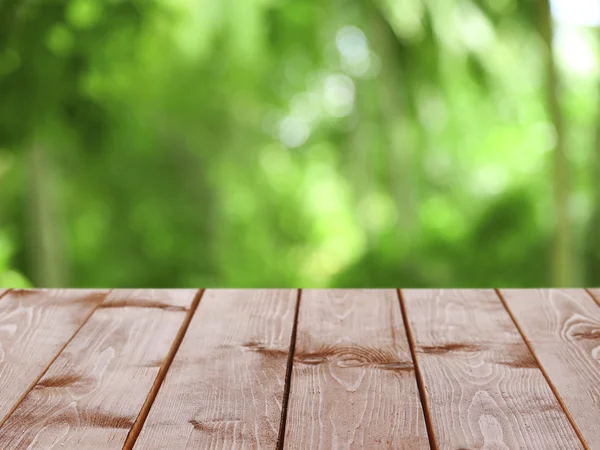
175, 143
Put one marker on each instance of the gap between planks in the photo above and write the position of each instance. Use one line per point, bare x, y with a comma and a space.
593, 296
37, 380
418, 376
543, 370
288, 376
136, 429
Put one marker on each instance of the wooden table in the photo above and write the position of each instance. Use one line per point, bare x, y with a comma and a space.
316, 369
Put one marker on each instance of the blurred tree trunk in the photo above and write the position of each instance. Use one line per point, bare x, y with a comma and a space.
563, 258
392, 105
45, 246
592, 241
360, 140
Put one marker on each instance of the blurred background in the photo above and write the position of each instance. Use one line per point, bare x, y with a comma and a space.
230, 143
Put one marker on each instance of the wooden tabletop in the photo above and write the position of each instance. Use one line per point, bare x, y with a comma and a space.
310, 369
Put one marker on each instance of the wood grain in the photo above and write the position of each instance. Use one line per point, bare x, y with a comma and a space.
225, 387
562, 327
34, 327
166, 299
483, 386
353, 381
91, 395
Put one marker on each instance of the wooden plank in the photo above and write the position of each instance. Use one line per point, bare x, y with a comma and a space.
34, 327
483, 386
353, 383
225, 387
563, 329
91, 395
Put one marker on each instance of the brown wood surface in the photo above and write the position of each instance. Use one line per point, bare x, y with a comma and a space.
226, 385
91, 395
353, 383
562, 327
80, 369
483, 386
34, 327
